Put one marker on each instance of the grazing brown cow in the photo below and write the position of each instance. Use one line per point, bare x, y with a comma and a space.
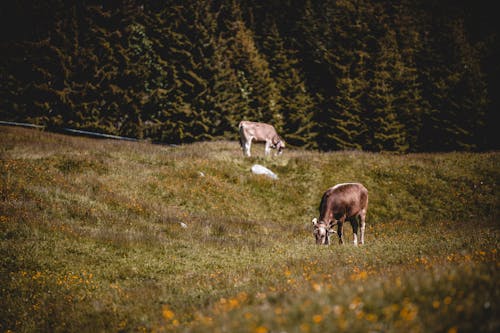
340, 203
259, 132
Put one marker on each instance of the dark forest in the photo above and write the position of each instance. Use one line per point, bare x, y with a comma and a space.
401, 76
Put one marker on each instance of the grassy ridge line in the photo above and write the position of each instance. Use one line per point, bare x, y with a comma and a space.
91, 238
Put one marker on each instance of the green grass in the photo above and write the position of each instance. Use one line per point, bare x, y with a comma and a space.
90, 240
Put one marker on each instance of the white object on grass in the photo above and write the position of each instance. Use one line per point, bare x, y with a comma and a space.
262, 170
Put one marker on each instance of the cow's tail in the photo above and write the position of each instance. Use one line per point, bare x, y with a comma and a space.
240, 130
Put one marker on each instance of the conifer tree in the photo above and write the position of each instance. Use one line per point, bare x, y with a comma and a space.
257, 88
453, 87
408, 87
387, 129
227, 101
295, 102
349, 128
313, 43
350, 59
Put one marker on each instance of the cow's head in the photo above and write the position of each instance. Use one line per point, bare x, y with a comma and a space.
279, 144
321, 232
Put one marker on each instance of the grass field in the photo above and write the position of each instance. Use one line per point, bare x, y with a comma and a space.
90, 240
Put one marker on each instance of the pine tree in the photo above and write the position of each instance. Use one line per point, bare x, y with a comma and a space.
198, 109
227, 101
349, 126
469, 95
295, 102
313, 43
387, 130
453, 86
350, 60
258, 90
408, 87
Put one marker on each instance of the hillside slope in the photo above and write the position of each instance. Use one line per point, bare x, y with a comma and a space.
91, 239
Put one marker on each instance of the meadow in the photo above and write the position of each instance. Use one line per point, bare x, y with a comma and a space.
91, 239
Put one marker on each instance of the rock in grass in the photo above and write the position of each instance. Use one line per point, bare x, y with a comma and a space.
262, 170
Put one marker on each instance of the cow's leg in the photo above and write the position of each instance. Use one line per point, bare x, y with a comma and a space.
354, 224
362, 216
242, 141
340, 230
331, 224
267, 149
248, 146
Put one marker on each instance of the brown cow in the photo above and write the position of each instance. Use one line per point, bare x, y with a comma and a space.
340, 203
259, 132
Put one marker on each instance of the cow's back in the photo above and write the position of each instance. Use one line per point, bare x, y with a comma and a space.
259, 131
348, 198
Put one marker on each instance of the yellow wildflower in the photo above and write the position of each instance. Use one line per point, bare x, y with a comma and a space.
317, 319
261, 329
167, 313
409, 311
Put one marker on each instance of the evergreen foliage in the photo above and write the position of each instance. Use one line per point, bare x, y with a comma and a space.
400, 76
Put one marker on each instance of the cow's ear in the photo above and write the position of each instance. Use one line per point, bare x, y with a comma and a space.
314, 221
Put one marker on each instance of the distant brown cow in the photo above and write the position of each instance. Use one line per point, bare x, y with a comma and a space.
259, 132
340, 203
